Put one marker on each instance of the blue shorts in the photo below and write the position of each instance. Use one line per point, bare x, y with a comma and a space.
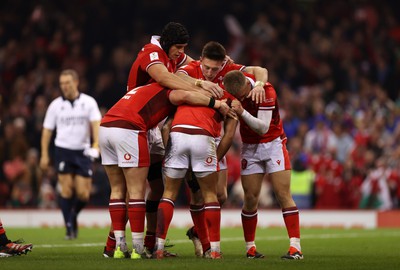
72, 161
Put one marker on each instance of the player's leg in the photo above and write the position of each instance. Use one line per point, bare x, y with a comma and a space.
279, 175
199, 232
212, 212
281, 186
222, 191
66, 188
154, 195
136, 184
117, 208
251, 184
82, 169
166, 208
83, 186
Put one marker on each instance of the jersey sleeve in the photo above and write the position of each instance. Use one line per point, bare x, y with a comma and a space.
270, 98
94, 114
234, 66
51, 116
150, 56
192, 70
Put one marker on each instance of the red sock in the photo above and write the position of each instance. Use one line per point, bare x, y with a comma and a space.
164, 217
249, 224
136, 214
213, 218
3, 237
117, 210
291, 218
200, 225
2, 231
110, 244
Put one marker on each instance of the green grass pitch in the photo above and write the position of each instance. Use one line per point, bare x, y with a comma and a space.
322, 249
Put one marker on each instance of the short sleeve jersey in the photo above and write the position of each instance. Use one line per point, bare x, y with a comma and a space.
142, 108
199, 116
151, 54
271, 104
193, 69
72, 119
203, 117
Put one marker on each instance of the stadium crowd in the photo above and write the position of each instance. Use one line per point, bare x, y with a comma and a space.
335, 66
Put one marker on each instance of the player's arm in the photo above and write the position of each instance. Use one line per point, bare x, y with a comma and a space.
170, 80
230, 125
167, 79
178, 97
95, 134
214, 89
94, 151
44, 143
259, 124
261, 74
165, 130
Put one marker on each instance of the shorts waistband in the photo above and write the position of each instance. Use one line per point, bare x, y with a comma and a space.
191, 131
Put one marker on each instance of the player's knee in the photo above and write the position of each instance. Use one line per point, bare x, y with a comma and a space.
283, 197
83, 196
222, 197
196, 198
250, 199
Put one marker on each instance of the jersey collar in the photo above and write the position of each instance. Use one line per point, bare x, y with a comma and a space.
156, 41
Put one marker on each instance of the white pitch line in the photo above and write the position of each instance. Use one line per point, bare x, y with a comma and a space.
271, 238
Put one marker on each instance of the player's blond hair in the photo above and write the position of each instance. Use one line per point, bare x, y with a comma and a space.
70, 72
234, 82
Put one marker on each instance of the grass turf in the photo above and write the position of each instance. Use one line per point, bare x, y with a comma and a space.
322, 249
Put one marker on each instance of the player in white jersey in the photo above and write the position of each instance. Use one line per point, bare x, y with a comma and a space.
76, 117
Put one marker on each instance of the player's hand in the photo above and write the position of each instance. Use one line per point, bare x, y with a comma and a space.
222, 107
232, 114
213, 88
237, 107
257, 94
92, 153
44, 163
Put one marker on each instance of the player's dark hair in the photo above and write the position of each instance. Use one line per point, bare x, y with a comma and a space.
214, 51
173, 33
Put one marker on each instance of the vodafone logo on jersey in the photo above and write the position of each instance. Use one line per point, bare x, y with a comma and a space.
209, 160
278, 162
127, 156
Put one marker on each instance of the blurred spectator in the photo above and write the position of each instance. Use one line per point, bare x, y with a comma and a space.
375, 188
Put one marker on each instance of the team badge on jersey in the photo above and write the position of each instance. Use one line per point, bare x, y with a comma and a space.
154, 56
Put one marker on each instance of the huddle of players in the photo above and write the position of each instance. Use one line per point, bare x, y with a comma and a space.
179, 103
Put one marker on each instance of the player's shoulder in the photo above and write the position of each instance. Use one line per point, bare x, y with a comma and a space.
87, 99
57, 101
269, 87
151, 48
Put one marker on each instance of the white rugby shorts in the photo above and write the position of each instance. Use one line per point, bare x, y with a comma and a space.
190, 150
125, 147
264, 158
